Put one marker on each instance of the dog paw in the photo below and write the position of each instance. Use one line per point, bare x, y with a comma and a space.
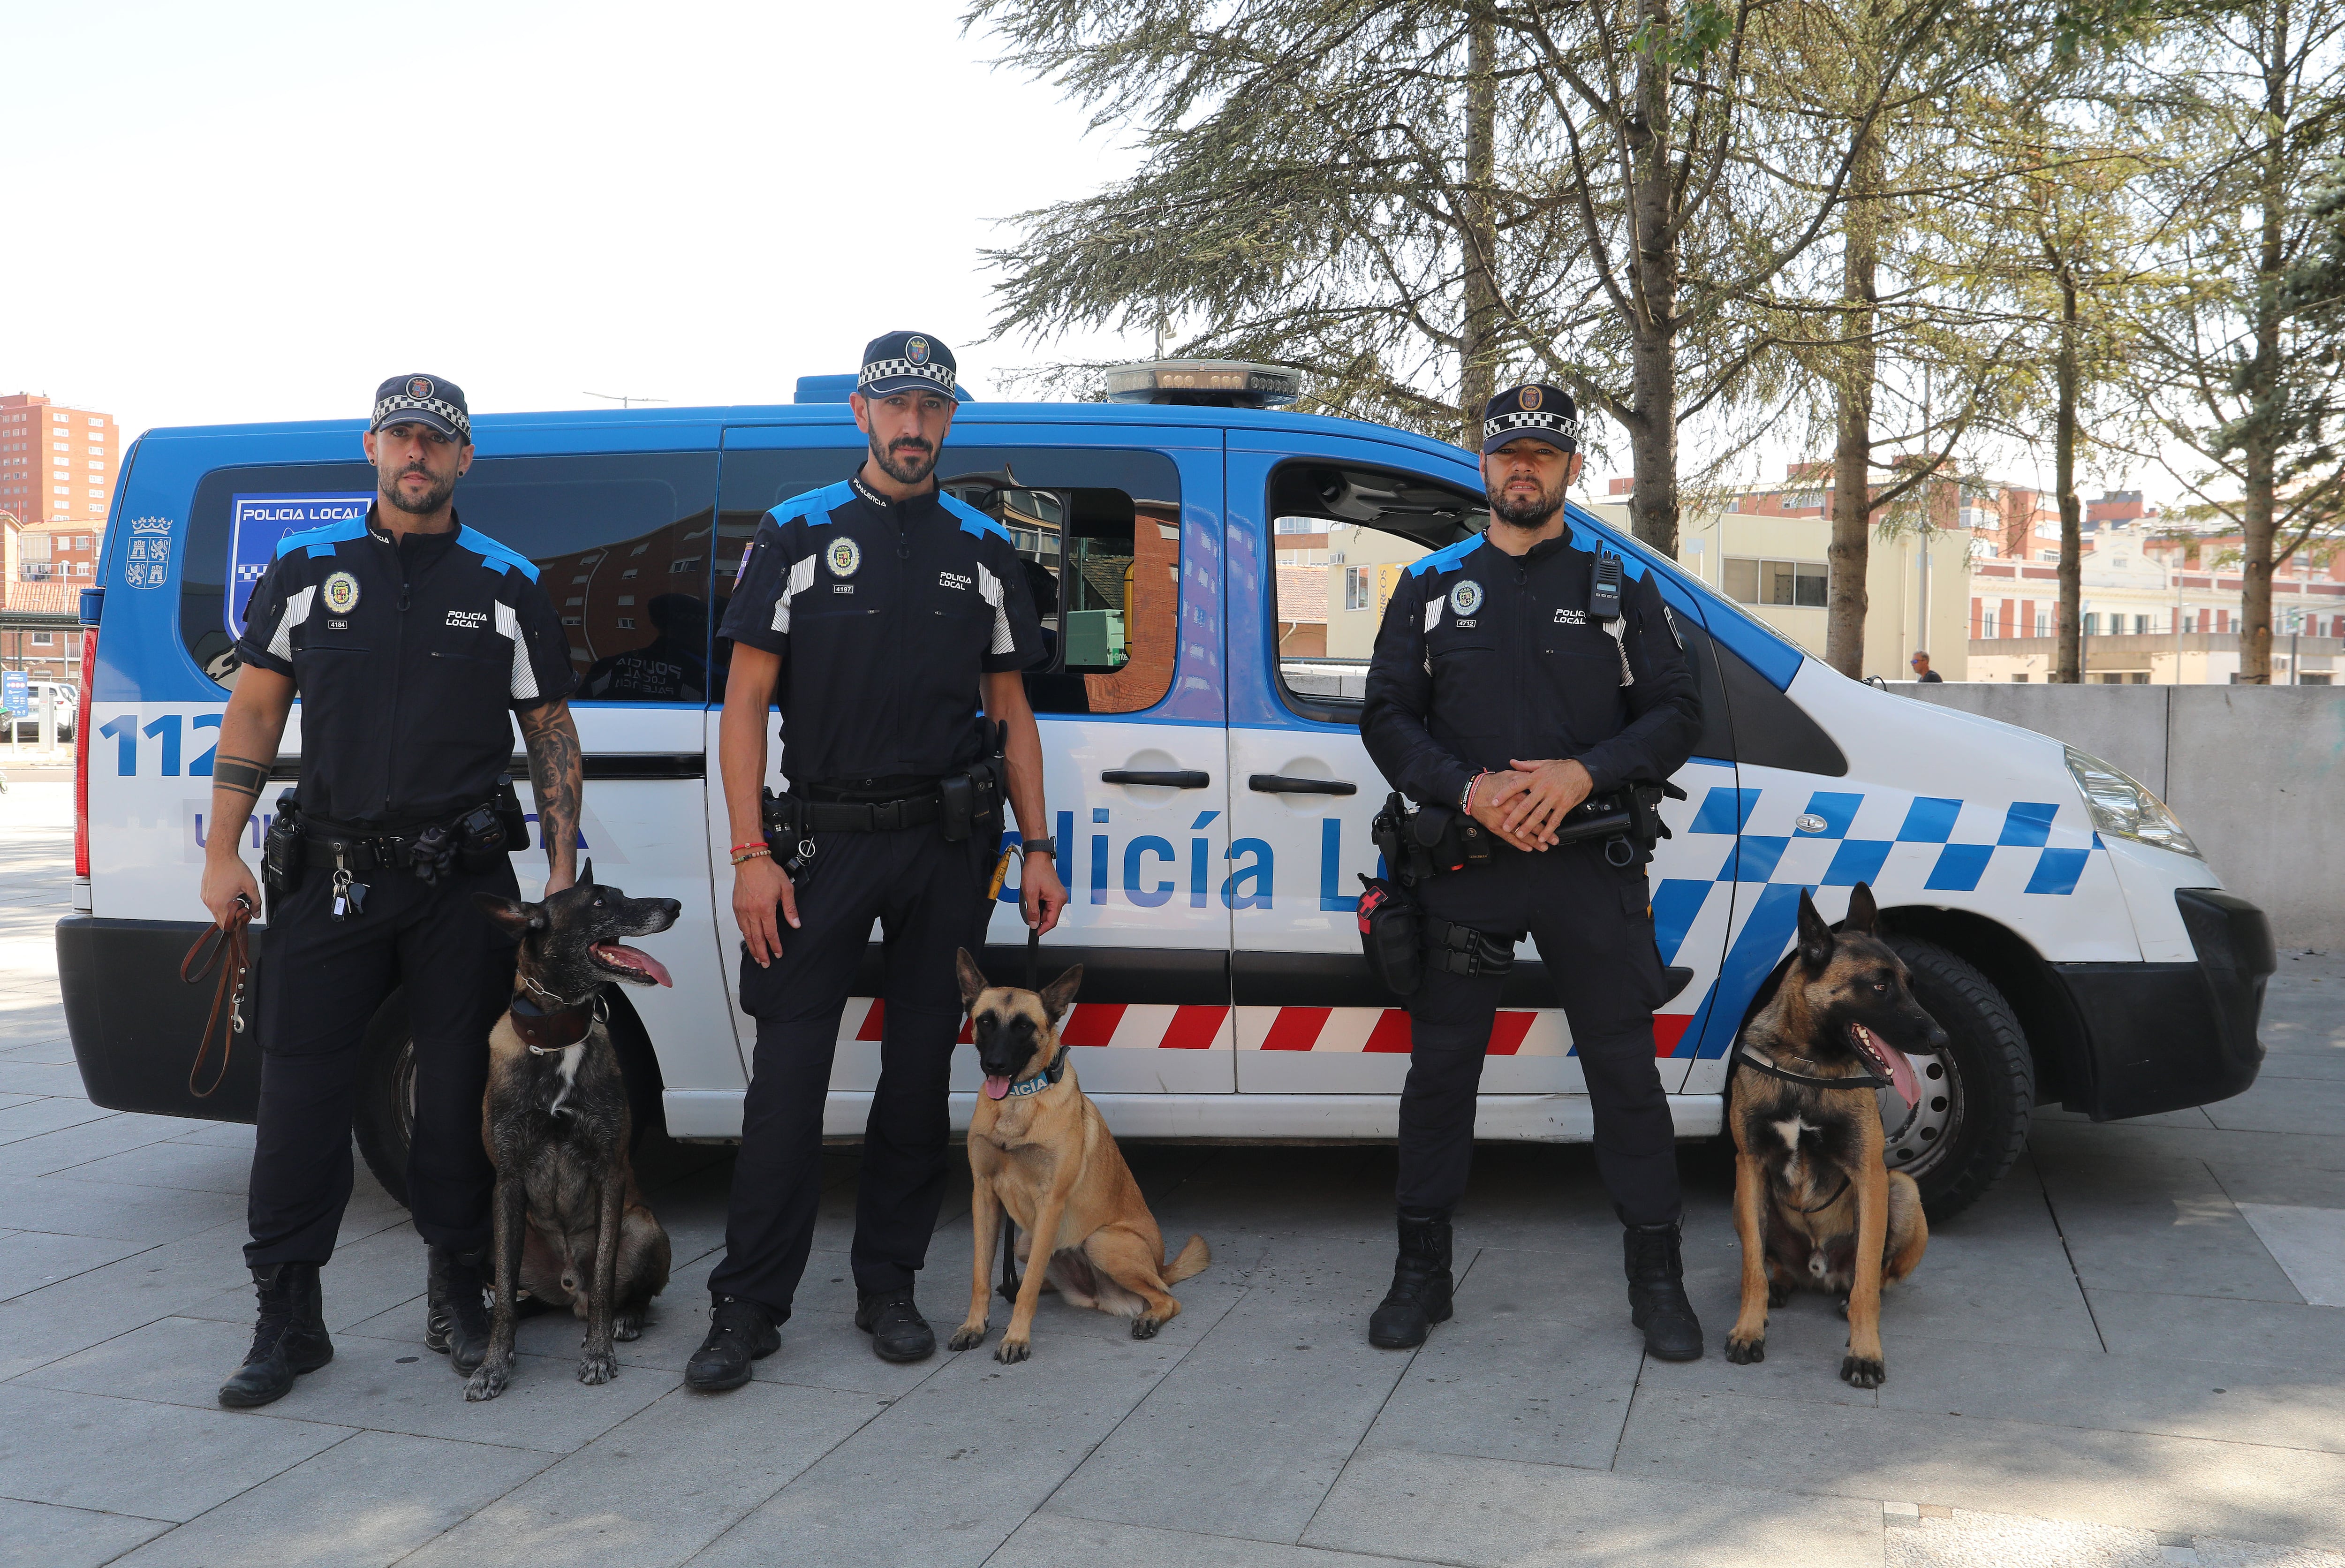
1743, 1352
1010, 1351
1145, 1327
596, 1368
968, 1336
487, 1381
628, 1325
1863, 1371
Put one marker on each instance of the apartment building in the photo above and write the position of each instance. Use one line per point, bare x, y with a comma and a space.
57, 464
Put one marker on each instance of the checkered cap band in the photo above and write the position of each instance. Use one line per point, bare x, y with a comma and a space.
401, 402
898, 370
1566, 426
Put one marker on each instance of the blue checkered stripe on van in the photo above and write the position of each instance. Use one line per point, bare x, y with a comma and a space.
1764, 873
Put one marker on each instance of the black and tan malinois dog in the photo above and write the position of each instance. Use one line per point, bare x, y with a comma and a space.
1041, 1151
1814, 1204
571, 1227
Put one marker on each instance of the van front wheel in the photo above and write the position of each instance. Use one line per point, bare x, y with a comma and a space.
1976, 1095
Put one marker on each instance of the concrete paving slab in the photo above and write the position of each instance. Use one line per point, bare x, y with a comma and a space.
380, 1384
2284, 1105
35, 1114
43, 1078
659, 1486
367, 1278
46, 1154
57, 1051
1963, 1538
2311, 1339
1490, 1512
951, 1469
226, 1134
364, 1503
84, 1450
2309, 1244
1806, 1337
2261, 1179
2159, 1225
43, 1536
1513, 1387
31, 1259
92, 1307
169, 1163
9, 1101
2115, 1143
2323, 1063
1244, 1437
1054, 1541
2140, 1481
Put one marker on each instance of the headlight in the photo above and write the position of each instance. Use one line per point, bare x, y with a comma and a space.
2119, 805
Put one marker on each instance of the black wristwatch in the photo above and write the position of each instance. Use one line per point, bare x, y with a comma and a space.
1046, 845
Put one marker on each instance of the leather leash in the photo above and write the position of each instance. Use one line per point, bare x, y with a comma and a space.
228, 995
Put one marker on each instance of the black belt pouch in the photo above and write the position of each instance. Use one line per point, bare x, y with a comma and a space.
957, 802
1392, 935
285, 849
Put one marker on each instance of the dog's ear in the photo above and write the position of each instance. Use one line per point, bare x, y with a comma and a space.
971, 978
1816, 936
1060, 994
514, 915
586, 873
1863, 915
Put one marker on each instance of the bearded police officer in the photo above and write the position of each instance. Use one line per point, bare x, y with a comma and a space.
409, 640
879, 615
1517, 674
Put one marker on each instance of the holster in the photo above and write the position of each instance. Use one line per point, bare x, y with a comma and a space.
1431, 840
284, 851
784, 819
1391, 935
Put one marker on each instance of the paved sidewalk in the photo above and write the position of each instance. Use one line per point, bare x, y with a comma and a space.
2132, 1352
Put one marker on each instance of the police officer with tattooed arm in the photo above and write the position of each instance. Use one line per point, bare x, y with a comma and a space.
1529, 694
409, 638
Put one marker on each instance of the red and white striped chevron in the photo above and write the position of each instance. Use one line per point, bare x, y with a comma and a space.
1541, 1031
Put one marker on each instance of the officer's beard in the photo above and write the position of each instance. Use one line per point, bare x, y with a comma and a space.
430, 501
1530, 514
919, 460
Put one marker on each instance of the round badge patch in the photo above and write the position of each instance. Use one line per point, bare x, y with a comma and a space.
1532, 397
842, 557
917, 350
1466, 597
419, 386
340, 591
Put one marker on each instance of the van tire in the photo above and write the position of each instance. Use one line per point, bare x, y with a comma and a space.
383, 1119
1993, 1081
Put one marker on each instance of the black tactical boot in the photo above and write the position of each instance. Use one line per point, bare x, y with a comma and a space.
289, 1339
739, 1332
898, 1332
456, 1320
1656, 1297
1419, 1296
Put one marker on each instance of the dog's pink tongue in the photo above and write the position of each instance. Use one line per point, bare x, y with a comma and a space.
635, 959
997, 1085
1901, 1077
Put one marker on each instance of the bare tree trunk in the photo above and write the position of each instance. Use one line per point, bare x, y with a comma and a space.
1850, 551
1476, 346
2071, 661
1654, 272
2265, 394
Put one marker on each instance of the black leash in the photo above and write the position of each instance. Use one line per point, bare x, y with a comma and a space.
1757, 1064
1034, 958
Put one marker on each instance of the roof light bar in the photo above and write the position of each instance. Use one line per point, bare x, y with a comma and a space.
1211, 383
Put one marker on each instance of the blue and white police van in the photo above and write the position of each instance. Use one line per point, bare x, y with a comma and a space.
1211, 794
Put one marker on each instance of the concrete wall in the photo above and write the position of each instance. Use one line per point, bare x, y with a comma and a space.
2256, 774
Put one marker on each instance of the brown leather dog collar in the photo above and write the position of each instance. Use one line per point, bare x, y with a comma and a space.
548, 1033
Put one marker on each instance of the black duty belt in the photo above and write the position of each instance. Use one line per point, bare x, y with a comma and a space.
362, 851
871, 815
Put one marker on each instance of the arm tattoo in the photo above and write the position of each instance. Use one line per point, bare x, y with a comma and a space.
556, 774
246, 776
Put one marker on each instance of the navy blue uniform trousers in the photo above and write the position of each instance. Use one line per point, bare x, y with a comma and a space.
927, 898
1594, 929
322, 981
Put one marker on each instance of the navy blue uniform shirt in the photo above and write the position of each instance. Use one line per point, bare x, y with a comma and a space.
408, 657
1484, 657
884, 615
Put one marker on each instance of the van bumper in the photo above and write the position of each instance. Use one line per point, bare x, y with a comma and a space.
2168, 1036
135, 1026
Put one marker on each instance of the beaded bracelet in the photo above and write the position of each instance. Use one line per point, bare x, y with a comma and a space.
749, 853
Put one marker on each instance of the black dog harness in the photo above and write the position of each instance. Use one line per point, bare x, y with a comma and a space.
1745, 1054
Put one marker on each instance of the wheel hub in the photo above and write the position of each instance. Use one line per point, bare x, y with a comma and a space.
1916, 1136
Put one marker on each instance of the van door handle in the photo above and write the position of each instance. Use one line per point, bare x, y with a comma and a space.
1175, 779
1279, 784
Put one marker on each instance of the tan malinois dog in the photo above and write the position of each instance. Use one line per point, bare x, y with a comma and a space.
1814, 1204
1041, 1151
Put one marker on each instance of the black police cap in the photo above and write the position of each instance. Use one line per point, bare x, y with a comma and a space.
1535, 409
429, 401
906, 362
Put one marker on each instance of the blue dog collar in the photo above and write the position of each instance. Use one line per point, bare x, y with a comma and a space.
1042, 1080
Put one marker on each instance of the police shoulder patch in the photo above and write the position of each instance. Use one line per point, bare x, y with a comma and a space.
340, 591
842, 555
1465, 597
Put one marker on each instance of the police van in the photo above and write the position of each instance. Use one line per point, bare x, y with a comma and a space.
1210, 793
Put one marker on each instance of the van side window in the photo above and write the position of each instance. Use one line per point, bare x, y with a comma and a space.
1100, 532
637, 635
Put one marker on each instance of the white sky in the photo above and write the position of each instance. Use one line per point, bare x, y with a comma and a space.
259, 210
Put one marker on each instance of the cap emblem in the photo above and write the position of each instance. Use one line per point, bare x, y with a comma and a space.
843, 556
341, 592
917, 350
1530, 398
419, 386
1466, 597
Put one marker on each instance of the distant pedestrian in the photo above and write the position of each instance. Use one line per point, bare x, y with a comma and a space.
1922, 670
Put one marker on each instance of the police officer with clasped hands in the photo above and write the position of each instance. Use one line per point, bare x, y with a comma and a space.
1516, 674
879, 615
